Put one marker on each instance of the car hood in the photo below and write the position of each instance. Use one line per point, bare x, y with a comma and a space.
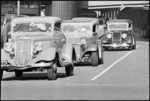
117, 31
77, 35
34, 36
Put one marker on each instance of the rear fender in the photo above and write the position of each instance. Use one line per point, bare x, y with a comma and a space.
129, 39
46, 55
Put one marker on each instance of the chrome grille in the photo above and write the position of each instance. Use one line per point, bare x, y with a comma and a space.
23, 51
116, 38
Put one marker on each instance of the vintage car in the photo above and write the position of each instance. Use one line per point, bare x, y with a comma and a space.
119, 34
37, 44
82, 34
5, 27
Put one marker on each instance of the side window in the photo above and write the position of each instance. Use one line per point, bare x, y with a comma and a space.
57, 28
94, 28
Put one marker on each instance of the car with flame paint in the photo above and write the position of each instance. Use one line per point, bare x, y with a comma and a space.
83, 35
36, 45
119, 34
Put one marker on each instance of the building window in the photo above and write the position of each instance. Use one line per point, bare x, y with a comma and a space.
7, 3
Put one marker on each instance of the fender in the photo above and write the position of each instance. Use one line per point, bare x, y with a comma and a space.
66, 53
47, 55
91, 48
6, 56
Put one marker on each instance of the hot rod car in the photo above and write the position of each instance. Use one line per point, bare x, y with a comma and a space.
82, 34
37, 44
119, 34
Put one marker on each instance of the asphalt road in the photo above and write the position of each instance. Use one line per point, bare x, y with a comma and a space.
123, 76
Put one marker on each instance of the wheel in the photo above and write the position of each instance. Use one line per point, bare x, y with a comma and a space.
94, 58
18, 73
1, 74
69, 69
52, 72
134, 43
134, 46
101, 59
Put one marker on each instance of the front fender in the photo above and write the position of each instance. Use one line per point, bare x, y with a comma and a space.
47, 55
67, 52
6, 56
91, 48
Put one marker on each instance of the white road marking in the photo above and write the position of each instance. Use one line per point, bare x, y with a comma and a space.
100, 74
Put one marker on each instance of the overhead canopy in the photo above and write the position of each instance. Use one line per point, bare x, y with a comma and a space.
139, 16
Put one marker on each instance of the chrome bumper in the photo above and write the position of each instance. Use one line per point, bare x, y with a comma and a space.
11, 67
116, 45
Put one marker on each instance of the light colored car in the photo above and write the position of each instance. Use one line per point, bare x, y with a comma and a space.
119, 34
83, 35
36, 44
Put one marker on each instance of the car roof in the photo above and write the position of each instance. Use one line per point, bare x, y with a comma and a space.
49, 19
120, 20
83, 18
90, 21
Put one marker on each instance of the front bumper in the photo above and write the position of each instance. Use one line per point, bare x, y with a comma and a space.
12, 67
116, 45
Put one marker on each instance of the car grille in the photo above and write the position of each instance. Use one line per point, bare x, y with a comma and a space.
23, 51
116, 38
73, 40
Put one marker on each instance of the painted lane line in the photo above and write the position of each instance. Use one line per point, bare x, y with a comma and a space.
100, 74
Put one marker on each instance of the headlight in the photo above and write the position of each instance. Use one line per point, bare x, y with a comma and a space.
109, 36
8, 47
83, 41
38, 47
124, 35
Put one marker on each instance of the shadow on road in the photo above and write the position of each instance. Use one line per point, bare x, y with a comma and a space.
33, 76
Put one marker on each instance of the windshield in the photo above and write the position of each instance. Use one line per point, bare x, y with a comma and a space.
32, 27
76, 28
118, 26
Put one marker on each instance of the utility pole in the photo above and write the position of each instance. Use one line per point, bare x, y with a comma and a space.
18, 7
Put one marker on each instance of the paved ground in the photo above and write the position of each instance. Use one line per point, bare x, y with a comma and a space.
123, 76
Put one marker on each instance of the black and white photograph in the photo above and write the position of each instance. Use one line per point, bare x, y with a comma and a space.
74, 50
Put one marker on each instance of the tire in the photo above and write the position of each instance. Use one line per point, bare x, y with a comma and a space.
134, 46
69, 69
18, 73
94, 58
134, 43
101, 60
1, 74
52, 72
